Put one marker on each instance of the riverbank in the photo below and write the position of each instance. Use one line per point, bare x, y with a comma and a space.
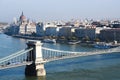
74, 42
62, 41
28, 37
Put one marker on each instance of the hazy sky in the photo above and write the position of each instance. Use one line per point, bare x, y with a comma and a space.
45, 10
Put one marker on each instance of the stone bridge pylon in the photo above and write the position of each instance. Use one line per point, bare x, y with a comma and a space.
37, 67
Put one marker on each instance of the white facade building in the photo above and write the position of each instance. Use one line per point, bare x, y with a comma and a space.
52, 31
85, 32
26, 27
65, 31
40, 29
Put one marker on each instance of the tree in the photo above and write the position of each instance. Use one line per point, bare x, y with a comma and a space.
97, 40
86, 38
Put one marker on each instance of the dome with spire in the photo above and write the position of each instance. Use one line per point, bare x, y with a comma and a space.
22, 17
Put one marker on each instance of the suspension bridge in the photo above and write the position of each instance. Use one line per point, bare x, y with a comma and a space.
35, 56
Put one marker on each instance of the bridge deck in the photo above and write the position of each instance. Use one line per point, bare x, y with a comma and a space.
12, 65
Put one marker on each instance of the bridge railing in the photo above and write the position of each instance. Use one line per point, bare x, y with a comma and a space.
52, 54
15, 59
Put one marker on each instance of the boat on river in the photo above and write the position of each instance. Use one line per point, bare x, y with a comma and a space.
103, 45
49, 40
73, 42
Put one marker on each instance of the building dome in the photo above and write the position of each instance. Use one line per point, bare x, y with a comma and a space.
22, 17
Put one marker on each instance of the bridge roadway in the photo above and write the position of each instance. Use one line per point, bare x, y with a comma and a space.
12, 65
20, 58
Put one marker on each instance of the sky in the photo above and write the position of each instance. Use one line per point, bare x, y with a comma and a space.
50, 10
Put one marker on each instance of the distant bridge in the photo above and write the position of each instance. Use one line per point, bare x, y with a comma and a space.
36, 56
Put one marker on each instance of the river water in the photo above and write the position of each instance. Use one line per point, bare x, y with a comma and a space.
97, 67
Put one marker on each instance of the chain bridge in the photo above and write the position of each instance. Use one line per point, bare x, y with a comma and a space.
35, 56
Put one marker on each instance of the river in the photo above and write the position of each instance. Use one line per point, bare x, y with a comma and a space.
97, 67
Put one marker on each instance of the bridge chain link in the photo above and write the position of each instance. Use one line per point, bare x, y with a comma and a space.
52, 54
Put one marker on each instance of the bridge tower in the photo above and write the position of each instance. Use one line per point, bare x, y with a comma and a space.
37, 67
